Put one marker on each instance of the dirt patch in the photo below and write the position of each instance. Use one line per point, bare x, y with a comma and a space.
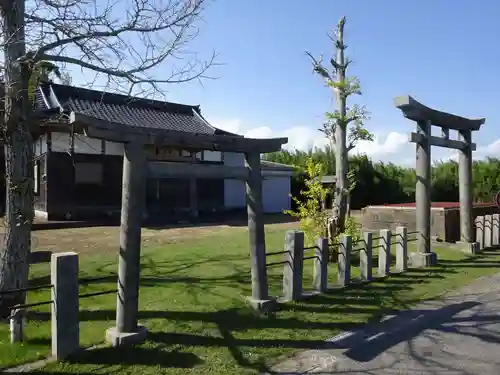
87, 240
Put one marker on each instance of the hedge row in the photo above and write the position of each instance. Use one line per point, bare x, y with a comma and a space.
386, 183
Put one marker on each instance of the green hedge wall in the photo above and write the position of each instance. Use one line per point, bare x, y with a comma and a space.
385, 183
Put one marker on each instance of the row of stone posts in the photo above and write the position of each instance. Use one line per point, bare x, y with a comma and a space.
487, 231
295, 252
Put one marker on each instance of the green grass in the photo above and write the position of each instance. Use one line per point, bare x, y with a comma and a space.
192, 301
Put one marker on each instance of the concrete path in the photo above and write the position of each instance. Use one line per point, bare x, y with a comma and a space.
458, 335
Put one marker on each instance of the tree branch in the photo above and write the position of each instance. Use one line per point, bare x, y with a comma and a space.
132, 42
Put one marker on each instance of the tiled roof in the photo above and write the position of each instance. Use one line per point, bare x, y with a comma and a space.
126, 110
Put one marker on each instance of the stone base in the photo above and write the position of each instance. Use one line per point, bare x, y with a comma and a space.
468, 247
420, 260
116, 338
262, 305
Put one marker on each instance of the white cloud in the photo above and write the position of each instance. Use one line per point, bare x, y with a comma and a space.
393, 147
393, 144
493, 149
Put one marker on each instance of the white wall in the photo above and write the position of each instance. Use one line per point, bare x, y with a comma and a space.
275, 189
234, 190
275, 194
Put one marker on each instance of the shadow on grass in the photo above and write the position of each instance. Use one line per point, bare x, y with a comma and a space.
162, 357
371, 301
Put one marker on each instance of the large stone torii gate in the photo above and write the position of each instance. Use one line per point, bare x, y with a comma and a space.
135, 172
425, 117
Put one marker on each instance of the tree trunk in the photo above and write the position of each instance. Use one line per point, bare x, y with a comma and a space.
341, 134
14, 266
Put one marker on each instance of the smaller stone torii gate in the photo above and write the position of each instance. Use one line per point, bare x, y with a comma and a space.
135, 173
425, 117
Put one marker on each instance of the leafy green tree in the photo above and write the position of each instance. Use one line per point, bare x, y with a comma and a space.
313, 219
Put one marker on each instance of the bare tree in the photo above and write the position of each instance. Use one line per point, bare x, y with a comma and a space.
344, 127
133, 46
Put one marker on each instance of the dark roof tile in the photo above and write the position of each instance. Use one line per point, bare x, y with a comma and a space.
129, 111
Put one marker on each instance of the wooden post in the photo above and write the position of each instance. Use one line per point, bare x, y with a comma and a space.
127, 331
321, 265
465, 187
344, 260
366, 257
384, 253
64, 319
401, 249
260, 292
293, 268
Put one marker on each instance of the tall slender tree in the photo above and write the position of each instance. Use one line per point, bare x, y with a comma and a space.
343, 127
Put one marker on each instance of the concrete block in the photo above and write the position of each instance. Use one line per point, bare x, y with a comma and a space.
116, 338
263, 306
467, 247
420, 260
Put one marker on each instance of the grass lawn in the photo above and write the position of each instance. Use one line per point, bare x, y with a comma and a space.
192, 302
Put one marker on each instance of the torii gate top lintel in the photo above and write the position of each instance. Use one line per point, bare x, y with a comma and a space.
416, 111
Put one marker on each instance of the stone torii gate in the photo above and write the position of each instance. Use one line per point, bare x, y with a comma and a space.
135, 172
425, 117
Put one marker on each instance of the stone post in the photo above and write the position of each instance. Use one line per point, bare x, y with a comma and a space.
488, 231
344, 260
465, 187
423, 196
401, 249
260, 299
424, 256
480, 235
127, 331
293, 269
366, 257
65, 330
321, 265
384, 253
496, 229
17, 324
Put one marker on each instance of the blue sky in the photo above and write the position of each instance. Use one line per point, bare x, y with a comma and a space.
444, 53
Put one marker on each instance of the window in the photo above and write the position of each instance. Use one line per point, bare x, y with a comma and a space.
88, 173
212, 156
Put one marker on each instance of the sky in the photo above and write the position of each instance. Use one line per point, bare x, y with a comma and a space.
444, 53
